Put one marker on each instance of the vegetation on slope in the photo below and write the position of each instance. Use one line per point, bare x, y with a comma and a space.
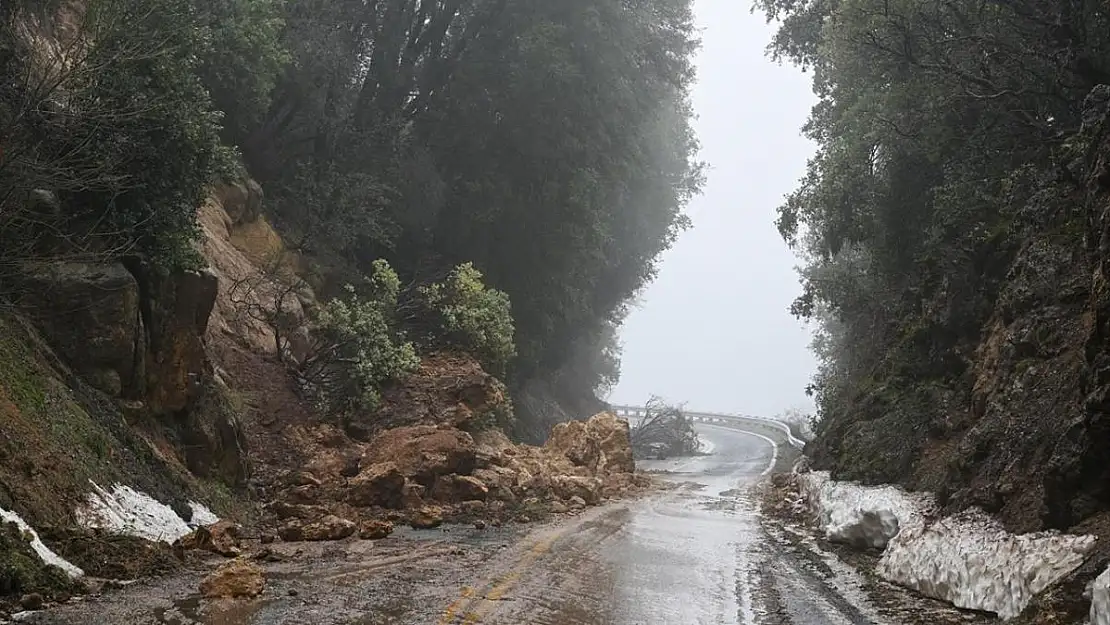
949, 225
544, 146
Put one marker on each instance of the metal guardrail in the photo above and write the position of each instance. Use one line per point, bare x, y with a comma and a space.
711, 417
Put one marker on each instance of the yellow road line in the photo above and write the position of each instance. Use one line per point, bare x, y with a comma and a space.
473, 608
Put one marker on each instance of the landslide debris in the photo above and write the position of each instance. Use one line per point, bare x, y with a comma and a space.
429, 474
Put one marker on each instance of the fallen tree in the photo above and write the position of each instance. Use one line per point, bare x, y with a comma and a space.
664, 431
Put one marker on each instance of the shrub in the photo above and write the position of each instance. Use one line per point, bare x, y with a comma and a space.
470, 316
358, 347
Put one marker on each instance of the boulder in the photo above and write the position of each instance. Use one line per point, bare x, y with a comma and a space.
221, 538
573, 441
612, 435
284, 510
452, 488
329, 527
380, 484
412, 495
569, 486
428, 517
374, 529
237, 578
423, 453
90, 314
241, 200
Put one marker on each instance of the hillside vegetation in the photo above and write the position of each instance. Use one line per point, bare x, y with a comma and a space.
542, 149
953, 225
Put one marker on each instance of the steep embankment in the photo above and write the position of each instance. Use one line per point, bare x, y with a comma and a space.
1022, 434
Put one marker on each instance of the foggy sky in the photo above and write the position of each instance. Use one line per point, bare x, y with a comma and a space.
714, 329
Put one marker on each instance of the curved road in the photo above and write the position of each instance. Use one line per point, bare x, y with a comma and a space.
695, 555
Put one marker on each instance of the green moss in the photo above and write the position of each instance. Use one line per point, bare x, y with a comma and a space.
21, 570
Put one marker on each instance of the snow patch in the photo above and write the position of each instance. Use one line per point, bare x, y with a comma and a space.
863, 517
967, 559
41, 549
127, 511
201, 515
1100, 599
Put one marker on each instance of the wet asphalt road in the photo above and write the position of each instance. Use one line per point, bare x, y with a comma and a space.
697, 553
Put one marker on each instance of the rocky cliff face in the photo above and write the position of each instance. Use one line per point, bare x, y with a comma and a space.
1023, 432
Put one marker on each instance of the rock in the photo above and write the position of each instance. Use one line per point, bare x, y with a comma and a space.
176, 361
301, 478
558, 507
90, 314
479, 525
573, 441
375, 530
284, 510
379, 484
428, 517
577, 503
221, 538
292, 592
304, 495
613, 438
329, 527
267, 538
412, 496
588, 489
32, 601
423, 453
472, 507
452, 488
241, 200
237, 578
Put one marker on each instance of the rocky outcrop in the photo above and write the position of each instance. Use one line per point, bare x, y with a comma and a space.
90, 315
1018, 426
328, 527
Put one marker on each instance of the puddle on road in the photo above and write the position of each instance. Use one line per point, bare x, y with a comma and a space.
196, 611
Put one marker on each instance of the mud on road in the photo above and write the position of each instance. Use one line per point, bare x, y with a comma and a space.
697, 552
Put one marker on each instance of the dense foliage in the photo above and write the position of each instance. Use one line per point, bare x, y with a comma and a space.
544, 145
937, 123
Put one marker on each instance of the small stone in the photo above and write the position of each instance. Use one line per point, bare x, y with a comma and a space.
293, 592
479, 525
268, 538
375, 530
428, 517
32, 601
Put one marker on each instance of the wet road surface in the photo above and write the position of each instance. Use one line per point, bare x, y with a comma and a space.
697, 553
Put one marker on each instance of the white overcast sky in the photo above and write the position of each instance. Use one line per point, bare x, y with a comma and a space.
714, 329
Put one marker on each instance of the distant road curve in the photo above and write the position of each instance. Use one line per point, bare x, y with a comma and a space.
720, 417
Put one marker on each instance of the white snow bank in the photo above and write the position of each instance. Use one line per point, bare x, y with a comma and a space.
862, 516
1100, 599
42, 550
967, 559
127, 511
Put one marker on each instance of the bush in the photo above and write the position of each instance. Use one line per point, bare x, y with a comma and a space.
358, 347
471, 317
